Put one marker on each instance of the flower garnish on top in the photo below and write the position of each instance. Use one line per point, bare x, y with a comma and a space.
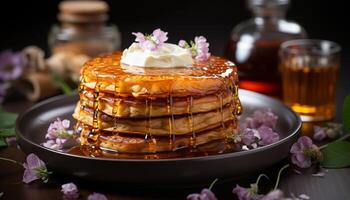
151, 42
199, 48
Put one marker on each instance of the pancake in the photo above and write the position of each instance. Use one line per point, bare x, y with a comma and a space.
132, 109
137, 108
107, 74
126, 143
177, 125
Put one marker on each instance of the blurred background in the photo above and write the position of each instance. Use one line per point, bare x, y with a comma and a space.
28, 23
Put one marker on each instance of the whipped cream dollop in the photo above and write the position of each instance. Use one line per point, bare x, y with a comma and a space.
166, 56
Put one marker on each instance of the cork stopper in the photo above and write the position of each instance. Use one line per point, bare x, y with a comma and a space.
80, 11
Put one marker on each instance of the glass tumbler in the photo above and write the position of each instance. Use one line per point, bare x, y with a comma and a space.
309, 75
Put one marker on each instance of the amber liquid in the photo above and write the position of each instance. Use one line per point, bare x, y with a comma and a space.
310, 91
257, 65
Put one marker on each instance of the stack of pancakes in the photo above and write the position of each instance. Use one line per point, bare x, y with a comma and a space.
149, 110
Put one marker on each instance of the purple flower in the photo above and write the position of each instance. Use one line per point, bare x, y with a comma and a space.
250, 136
184, 44
35, 169
70, 191
304, 152
319, 133
259, 118
140, 37
96, 196
205, 194
159, 36
199, 48
151, 42
267, 135
11, 65
57, 134
274, 195
202, 48
246, 193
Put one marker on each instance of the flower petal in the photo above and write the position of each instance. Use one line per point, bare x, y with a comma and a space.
29, 175
34, 162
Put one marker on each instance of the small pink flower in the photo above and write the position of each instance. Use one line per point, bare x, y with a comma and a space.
35, 169
267, 135
70, 191
57, 134
246, 193
140, 37
12, 65
183, 44
274, 195
205, 194
159, 36
96, 196
304, 152
250, 136
202, 48
151, 42
259, 118
199, 48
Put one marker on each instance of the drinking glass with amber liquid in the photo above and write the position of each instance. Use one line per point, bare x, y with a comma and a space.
309, 75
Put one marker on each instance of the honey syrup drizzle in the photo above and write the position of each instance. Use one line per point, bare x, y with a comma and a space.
94, 136
171, 122
191, 121
116, 103
221, 103
152, 142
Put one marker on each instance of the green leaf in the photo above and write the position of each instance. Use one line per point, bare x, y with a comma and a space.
336, 155
7, 119
59, 82
2, 143
7, 132
346, 114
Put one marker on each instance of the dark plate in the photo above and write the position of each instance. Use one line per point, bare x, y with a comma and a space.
32, 125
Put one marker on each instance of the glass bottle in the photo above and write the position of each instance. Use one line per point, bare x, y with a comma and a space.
83, 29
255, 43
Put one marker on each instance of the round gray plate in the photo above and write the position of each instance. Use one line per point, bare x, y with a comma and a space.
32, 125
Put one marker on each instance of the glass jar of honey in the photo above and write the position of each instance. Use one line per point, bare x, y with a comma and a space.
83, 29
254, 45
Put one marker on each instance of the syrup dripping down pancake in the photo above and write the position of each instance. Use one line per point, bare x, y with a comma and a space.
136, 108
127, 143
160, 126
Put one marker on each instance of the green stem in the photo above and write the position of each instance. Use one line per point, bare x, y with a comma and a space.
213, 183
259, 177
279, 175
344, 137
10, 160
